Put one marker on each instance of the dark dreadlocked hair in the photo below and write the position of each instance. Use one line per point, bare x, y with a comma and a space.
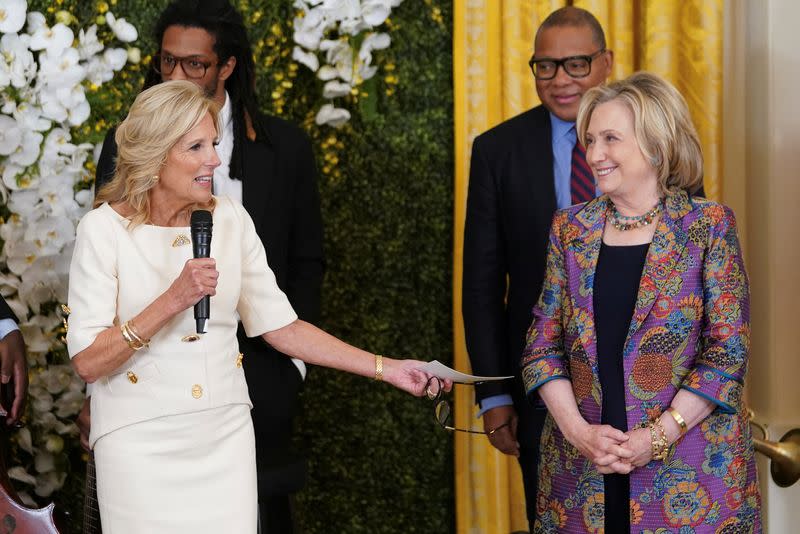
221, 20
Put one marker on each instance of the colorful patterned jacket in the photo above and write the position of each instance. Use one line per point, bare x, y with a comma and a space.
690, 329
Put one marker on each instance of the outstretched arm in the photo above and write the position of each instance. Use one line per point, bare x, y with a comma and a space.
306, 342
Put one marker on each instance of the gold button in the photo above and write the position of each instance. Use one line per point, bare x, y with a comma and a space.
132, 377
190, 338
197, 391
239, 359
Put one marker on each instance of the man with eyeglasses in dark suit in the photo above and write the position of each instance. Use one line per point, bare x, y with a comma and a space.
521, 172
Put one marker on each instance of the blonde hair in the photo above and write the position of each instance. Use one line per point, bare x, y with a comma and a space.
159, 117
662, 126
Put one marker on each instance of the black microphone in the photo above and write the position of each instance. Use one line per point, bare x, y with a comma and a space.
201, 247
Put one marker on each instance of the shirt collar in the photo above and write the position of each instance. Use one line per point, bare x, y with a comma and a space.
227, 111
561, 128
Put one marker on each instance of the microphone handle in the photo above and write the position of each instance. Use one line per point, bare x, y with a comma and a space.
201, 314
202, 249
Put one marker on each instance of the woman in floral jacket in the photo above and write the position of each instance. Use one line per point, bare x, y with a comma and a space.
640, 338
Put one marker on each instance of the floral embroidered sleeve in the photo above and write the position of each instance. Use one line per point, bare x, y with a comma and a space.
719, 370
543, 356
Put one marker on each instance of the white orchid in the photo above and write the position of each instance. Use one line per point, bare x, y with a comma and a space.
47, 483
19, 257
28, 151
353, 26
36, 22
334, 89
53, 40
375, 12
40, 283
36, 341
88, 44
331, 27
17, 66
43, 75
28, 116
326, 72
101, 68
339, 55
10, 135
69, 403
309, 29
12, 15
332, 116
50, 234
84, 198
342, 9
19, 473
12, 231
63, 70
116, 57
124, 30
8, 284
306, 58
373, 41
25, 440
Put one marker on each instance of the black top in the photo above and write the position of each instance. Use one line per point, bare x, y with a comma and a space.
616, 283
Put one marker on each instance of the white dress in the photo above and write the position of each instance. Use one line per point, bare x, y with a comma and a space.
171, 428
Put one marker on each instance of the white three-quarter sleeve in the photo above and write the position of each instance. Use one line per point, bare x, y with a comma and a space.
92, 281
262, 306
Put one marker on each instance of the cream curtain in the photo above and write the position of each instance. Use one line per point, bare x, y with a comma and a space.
492, 42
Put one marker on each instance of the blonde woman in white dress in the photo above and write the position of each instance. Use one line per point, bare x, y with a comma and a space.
171, 428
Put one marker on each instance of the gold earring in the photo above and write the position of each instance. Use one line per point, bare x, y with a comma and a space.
156, 178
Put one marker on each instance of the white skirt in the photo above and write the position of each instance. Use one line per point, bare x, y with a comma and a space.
192, 473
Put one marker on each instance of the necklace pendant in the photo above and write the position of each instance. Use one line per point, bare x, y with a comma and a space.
181, 240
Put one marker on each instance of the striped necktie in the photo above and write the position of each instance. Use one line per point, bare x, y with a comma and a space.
581, 181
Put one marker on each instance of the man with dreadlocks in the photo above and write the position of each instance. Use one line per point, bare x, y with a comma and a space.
267, 165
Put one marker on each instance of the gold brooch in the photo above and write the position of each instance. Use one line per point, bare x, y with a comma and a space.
181, 240
190, 338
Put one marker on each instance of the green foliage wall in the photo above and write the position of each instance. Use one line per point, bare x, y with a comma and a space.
378, 462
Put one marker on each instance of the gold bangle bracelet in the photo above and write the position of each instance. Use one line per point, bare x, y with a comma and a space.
678, 419
126, 335
131, 338
378, 367
135, 333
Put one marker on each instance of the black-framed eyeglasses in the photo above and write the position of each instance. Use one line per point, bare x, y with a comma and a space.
192, 66
575, 66
443, 411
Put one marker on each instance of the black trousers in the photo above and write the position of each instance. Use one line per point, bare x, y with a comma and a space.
275, 515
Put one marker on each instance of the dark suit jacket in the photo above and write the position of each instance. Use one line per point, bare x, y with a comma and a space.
280, 193
510, 204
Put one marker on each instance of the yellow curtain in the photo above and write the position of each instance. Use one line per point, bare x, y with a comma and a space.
492, 42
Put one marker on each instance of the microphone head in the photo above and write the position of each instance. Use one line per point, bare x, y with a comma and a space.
201, 217
201, 233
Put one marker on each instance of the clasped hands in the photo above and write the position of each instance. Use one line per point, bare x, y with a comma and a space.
612, 450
